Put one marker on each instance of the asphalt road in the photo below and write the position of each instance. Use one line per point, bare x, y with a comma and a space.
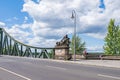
12, 68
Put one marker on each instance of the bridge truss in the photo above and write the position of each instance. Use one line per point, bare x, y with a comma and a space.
10, 46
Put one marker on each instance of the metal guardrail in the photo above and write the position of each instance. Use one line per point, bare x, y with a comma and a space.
110, 57
102, 57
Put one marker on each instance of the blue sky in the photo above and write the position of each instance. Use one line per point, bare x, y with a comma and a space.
11, 12
42, 24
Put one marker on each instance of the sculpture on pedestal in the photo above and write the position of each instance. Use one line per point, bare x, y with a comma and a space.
62, 48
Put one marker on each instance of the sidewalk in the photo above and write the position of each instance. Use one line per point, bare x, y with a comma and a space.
105, 63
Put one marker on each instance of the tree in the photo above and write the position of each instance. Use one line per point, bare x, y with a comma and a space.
118, 41
112, 40
80, 46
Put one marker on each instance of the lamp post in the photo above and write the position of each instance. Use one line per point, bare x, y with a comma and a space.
74, 17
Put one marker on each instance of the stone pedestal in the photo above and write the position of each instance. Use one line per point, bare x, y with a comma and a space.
62, 53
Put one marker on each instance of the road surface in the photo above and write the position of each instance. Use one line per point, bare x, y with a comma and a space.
14, 68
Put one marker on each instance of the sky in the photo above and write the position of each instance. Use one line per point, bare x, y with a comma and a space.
42, 23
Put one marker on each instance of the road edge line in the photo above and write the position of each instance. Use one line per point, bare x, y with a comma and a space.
15, 73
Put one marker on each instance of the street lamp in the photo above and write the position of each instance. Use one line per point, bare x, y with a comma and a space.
74, 17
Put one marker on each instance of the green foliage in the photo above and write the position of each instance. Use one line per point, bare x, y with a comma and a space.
112, 39
51, 54
80, 46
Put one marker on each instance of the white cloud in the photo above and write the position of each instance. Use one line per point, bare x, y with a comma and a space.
20, 32
97, 35
25, 19
15, 18
41, 42
24, 34
49, 19
50, 16
95, 49
2, 24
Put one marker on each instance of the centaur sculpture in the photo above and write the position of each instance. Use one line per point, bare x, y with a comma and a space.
64, 42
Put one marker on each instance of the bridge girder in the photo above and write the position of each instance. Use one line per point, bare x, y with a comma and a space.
10, 46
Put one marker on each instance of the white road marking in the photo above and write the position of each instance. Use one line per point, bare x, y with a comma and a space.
15, 74
108, 76
56, 67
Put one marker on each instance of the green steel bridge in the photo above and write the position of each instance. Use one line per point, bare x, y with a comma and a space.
10, 46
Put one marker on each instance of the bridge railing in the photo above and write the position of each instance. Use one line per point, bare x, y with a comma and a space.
10, 46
